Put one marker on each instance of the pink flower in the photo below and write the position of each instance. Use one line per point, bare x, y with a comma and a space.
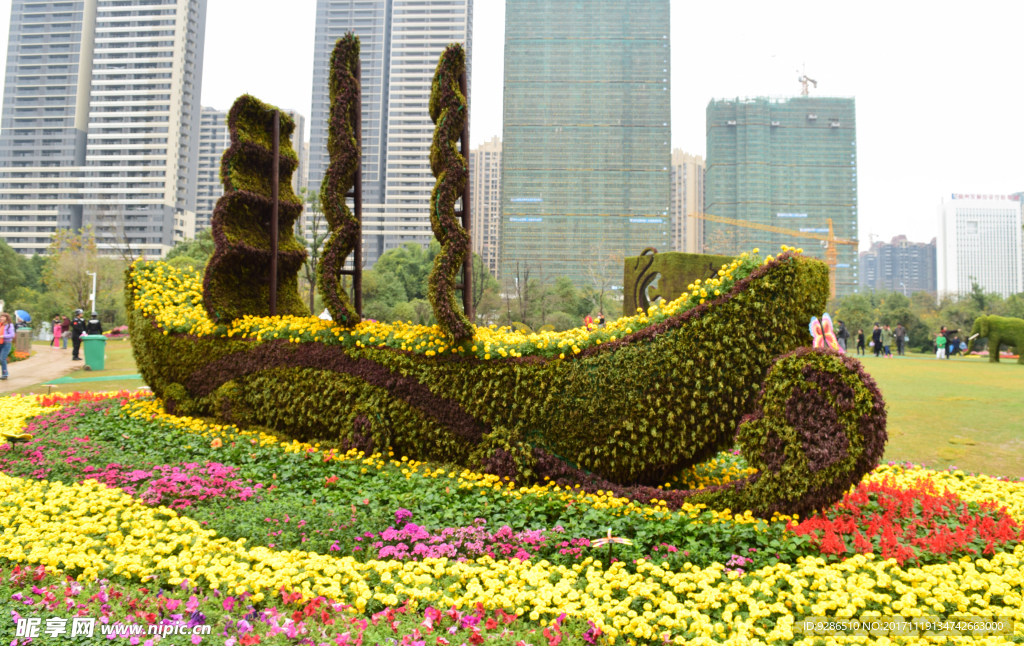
196, 639
173, 604
192, 605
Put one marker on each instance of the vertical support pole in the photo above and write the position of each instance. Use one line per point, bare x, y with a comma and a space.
357, 258
467, 265
275, 180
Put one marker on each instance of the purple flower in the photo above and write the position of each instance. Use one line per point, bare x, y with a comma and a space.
402, 514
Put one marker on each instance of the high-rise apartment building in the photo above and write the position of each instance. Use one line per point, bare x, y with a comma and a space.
585, 159
400, 43
485, 202
100, 123
899, 266
783, 162
214, 139
980, 242
686, 196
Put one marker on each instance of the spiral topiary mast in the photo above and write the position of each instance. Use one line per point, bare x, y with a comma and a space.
238, 276
448, 111
343, 174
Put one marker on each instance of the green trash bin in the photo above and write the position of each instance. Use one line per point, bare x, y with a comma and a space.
95, 350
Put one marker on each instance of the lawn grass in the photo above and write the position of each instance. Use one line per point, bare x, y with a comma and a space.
967, 413
962, 412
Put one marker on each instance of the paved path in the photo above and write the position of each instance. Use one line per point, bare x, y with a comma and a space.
44, 365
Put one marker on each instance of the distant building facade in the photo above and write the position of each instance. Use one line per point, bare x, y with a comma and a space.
214, 139
400, 43
585, 148
899, 266
686, 196
100, 123
980, 241
783, 162
299, 144
485, 202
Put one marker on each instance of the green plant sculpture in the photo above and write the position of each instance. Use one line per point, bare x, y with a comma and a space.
448, 110
237, 279
344, 152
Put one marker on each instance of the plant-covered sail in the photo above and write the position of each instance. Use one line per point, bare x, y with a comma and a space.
237, 281
344, 151
448, 110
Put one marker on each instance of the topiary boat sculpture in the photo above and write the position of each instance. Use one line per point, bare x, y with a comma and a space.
623, 408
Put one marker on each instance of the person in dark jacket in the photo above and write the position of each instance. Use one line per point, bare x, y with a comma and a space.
901, 335
842, 335
876, 339
860, 341
94, 326
77, 330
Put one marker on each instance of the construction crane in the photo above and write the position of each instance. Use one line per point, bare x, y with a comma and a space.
831, 255
804, 80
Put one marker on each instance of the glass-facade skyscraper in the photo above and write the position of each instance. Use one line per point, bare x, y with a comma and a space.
587, 134
788, 163
400, 43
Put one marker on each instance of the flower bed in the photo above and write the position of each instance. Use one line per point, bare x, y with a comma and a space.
18, 356
291, 541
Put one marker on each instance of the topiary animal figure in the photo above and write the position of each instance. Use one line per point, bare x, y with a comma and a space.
999, 330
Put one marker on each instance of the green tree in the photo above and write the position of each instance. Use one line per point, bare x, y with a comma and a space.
193, 253
11, 275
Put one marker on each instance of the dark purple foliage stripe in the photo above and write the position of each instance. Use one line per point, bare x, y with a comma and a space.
281, 354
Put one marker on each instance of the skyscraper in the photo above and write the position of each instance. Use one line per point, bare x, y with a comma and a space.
100, 123
686, 196
400, 42
299, 144
485, 195
899, 266
585, 159
980, 242
789, 163
214, 139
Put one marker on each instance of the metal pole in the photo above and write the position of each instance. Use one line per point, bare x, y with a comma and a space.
357, 258
92, 297
274, 183
467, 265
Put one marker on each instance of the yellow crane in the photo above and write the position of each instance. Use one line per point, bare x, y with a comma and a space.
831, 256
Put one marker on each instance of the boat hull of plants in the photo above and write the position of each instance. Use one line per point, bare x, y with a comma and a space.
632, 404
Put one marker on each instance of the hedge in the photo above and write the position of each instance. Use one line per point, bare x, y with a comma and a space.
631, 413
237, 280
344, 152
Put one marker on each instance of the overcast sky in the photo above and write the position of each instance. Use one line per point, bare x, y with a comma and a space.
938, 84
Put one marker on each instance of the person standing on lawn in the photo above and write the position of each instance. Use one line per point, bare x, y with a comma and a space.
8, 331
940, 346
860, 342
887, 339
901, 336
876, 339
65, 324
951, 342
58, 332
77, 330
842, 335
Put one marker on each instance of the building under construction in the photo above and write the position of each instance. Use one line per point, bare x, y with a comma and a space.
783, 162
587, 133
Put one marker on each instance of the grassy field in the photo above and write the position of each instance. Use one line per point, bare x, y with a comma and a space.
967, 413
